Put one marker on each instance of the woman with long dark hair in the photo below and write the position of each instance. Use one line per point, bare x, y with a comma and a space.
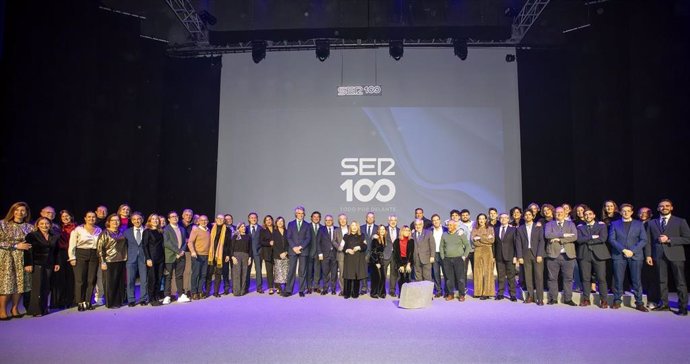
42, 258
15, 279
483, 237
83, 256
62, 281
378, 271
280, 255
152, 243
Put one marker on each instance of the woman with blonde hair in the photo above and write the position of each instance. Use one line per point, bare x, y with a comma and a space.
354, 268
152, 244
15, 279
240, 248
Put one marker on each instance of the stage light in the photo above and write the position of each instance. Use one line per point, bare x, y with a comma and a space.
460, 48
323, 49
395, 49
207, 18
258, 50
510, 58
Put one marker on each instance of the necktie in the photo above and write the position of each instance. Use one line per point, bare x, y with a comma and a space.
137, 235
417, 238
253, 229
299, 225
315, 231
560, 224
503, 231
663, 223
392, 234
330, 233
368, 230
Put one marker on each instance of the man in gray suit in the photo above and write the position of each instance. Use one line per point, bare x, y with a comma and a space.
388, 261
424, 250
592, 253
560, 235
339, 232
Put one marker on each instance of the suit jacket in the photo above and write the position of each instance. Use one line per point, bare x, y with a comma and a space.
427, 223
388, 250
635, 240
425, 248
507, 245
301, 237
367, 237
679, 234
586, 240
338, 237
553, 231
255, 239
315, 238
170, 242
134, 249
325, 245
44, 252
410, 252
152, 244
536, 241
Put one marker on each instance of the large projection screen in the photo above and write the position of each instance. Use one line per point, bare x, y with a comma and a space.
443, 134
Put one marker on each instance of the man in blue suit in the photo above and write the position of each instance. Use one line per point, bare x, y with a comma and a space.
368, 230
668, 236
628, 240
253, 230
136, 261
313, 263
299, 238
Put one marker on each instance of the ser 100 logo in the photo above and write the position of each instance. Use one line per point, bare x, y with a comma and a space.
368, 167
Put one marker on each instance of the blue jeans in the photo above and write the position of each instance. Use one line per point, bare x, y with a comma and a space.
132, 269
199, 269
635, 267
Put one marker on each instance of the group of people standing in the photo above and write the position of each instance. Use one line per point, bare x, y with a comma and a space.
46, 265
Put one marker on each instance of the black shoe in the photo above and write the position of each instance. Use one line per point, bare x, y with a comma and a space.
131, 304
81, 307
90, 307
144, 303
500, 297
324, 292
570, 303
156, 303
552, 302
540, 303
309, 291
484, 298
341, 294
333, 292
374, 296
301, 294
285, 294
513, 299
661, 308
682, 311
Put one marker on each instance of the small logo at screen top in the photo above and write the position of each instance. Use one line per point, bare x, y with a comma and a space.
365, 189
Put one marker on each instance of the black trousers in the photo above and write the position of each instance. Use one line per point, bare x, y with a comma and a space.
154, 275
176, 268
678, 271
534, 276
378, 280
85, 273
586, 264
62, 282
269, 273
40, 289
456, 275
351, 288
115, 284
329, 273
506, 271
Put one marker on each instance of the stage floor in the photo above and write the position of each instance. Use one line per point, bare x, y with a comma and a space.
329, 329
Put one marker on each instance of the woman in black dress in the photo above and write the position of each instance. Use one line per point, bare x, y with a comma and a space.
280, 255
266, 251
354, 267
152, 244
42, 258
376, 267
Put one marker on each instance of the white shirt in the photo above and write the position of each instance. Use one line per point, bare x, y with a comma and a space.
528, 227
392, 233
437, 238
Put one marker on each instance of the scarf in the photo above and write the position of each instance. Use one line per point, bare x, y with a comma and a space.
215, 253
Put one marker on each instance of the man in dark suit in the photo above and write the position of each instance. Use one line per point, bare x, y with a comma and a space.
668, 236
326, 253
560, 235
340, 231
314, 264
423, 252
136, 261
504, 254
437, 269
253, 230
530, 253
592, 253
419, 215
299, 238
628, 240
369, 229
393, 232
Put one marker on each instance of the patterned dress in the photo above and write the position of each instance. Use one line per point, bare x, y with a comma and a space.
13, 278
483, 262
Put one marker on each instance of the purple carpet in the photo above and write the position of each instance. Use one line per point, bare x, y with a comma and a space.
330, 329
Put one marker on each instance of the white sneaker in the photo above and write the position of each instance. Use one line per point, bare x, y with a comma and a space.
183, 298
166, 300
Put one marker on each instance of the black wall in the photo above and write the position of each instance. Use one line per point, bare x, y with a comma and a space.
605, 117
94, 114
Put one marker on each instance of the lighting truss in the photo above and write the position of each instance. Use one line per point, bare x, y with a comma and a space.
189, 18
